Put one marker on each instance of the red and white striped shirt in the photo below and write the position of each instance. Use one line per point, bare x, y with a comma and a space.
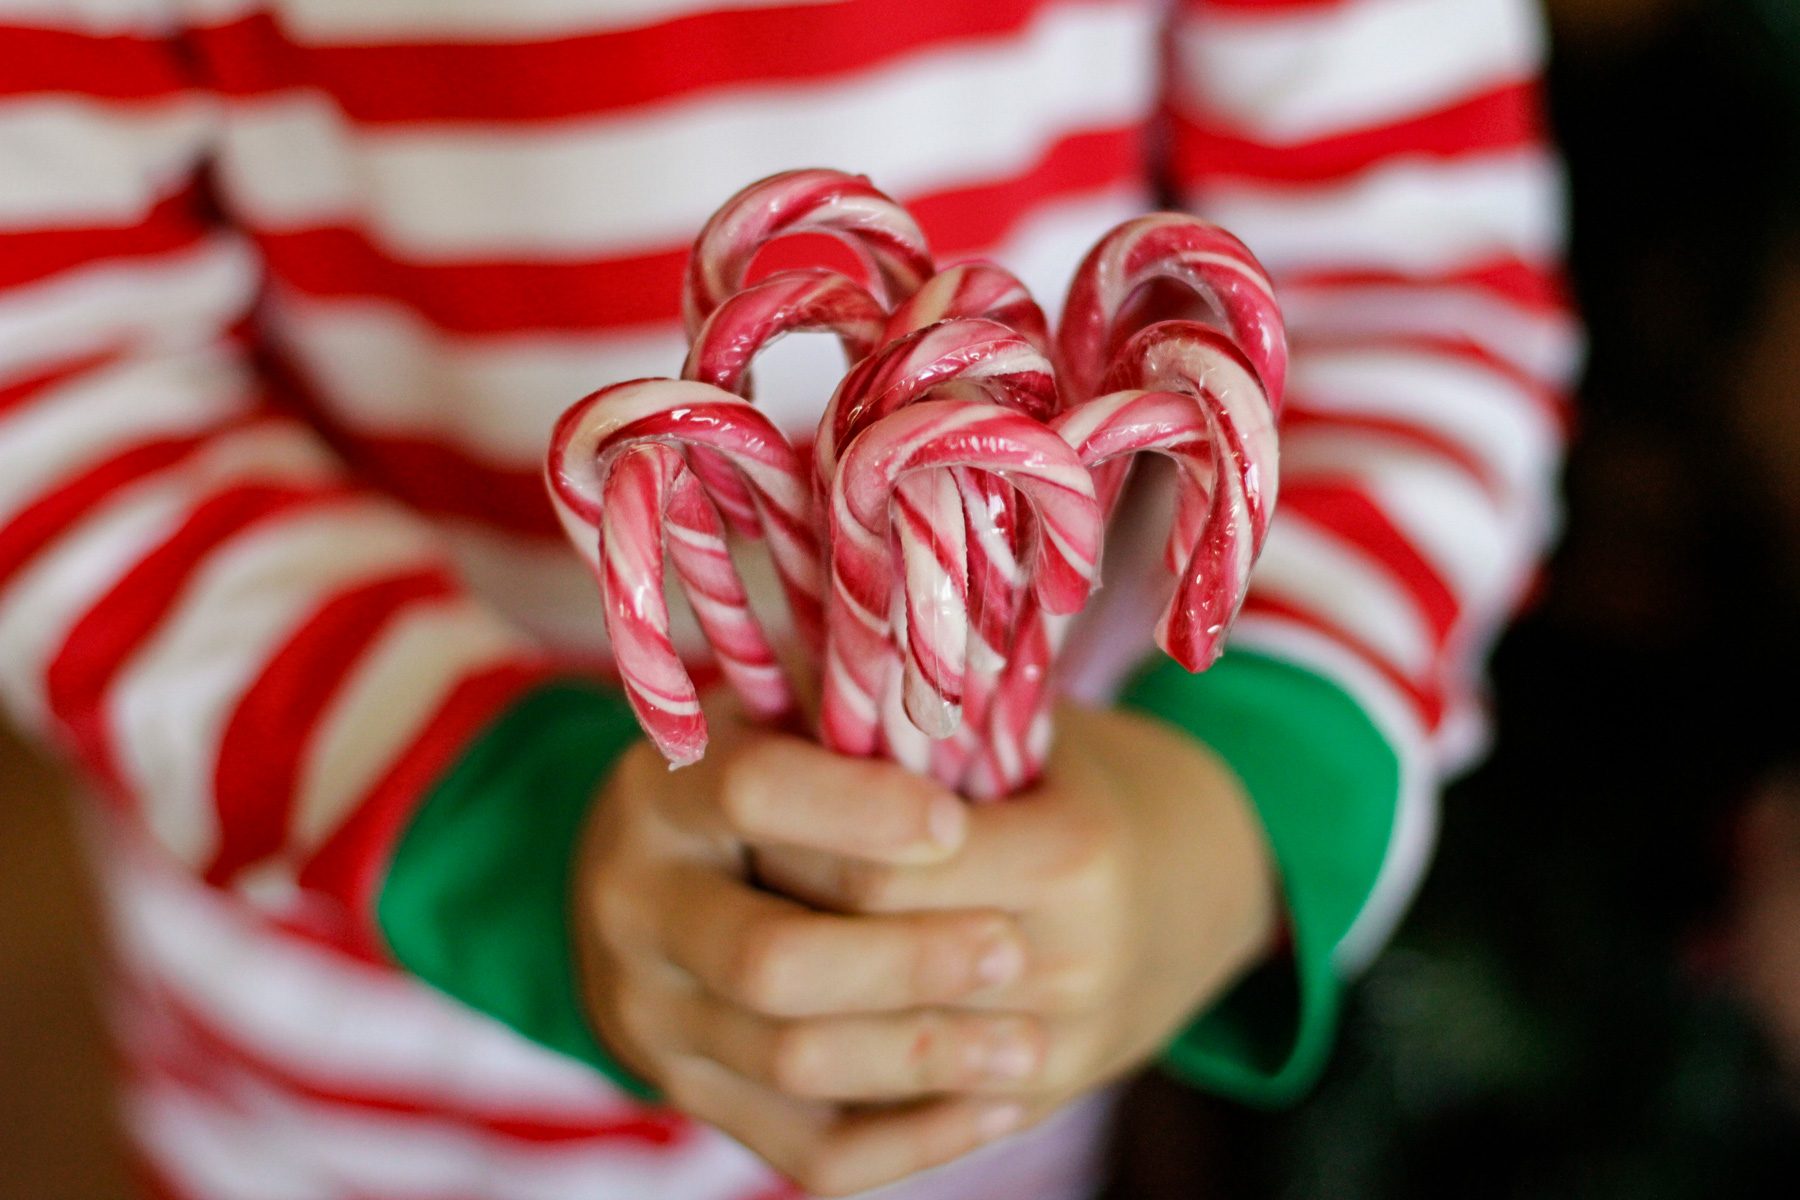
291, 291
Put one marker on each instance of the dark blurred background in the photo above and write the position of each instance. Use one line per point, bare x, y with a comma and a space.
1598, 993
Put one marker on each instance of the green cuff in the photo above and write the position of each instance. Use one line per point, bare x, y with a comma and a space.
1326, 784
476, 901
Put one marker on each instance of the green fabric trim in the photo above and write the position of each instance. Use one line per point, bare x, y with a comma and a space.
1325, 783
476, 902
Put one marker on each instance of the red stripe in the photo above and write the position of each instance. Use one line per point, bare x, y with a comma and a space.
642, 289
353, 862
174, 224
1427, 700
266, 739
441, 480
209, 1050
85, 64
18, 394
1349, 513
1507, 118
1299, 422
599, 73
1552, 402
1539, 287
103, 640
35, 527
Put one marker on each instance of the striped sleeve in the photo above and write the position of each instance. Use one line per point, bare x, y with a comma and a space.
1387, 161
268, 668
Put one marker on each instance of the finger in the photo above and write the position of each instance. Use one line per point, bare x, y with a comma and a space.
1014, 857
780, 791
780, 959
883, 1058
826, 1152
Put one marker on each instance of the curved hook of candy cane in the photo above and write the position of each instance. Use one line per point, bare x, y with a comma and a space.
687, 413
648, 491
956, 358
877, 229
727, 343
1190, 395
1234, 469
1185, 356
1184, 249
973, 289
960, 357
935, 436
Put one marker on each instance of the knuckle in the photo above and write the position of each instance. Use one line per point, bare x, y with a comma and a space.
794, 1061
740, 787
865, 886
611, 907
758, 966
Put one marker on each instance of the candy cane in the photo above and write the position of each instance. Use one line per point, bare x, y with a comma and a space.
924, 437
963, 358
682, 414
1220, 429
728, 341
883, 236
1215, 266
648, 489
973, 289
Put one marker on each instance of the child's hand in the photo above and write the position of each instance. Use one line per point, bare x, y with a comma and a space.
1140, 880
989, 963
762, 1016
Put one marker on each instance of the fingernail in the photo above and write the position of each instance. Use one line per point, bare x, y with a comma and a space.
1010, 1059
999, 1120
945, 820
1000, 963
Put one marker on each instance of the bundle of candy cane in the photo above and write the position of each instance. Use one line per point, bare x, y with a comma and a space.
948, 528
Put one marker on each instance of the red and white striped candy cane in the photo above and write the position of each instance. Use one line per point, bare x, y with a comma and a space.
938, 520
748, 322
973, 289
648, 490
994, 526
882, 234
681, 414
934, 436
1230, 468
1215, 421
1220, 270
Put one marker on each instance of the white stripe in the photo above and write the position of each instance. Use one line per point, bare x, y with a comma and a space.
89, 16
1295, 77
178, 301
318, 1014
326, 21
45, 601
1468, 536
169, 708
74, 162
1416, 807
381, 370
388, 699
1314, 570
1409, 215
1479, 410
649, 181
1547, 346
101, 413
225, 1148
